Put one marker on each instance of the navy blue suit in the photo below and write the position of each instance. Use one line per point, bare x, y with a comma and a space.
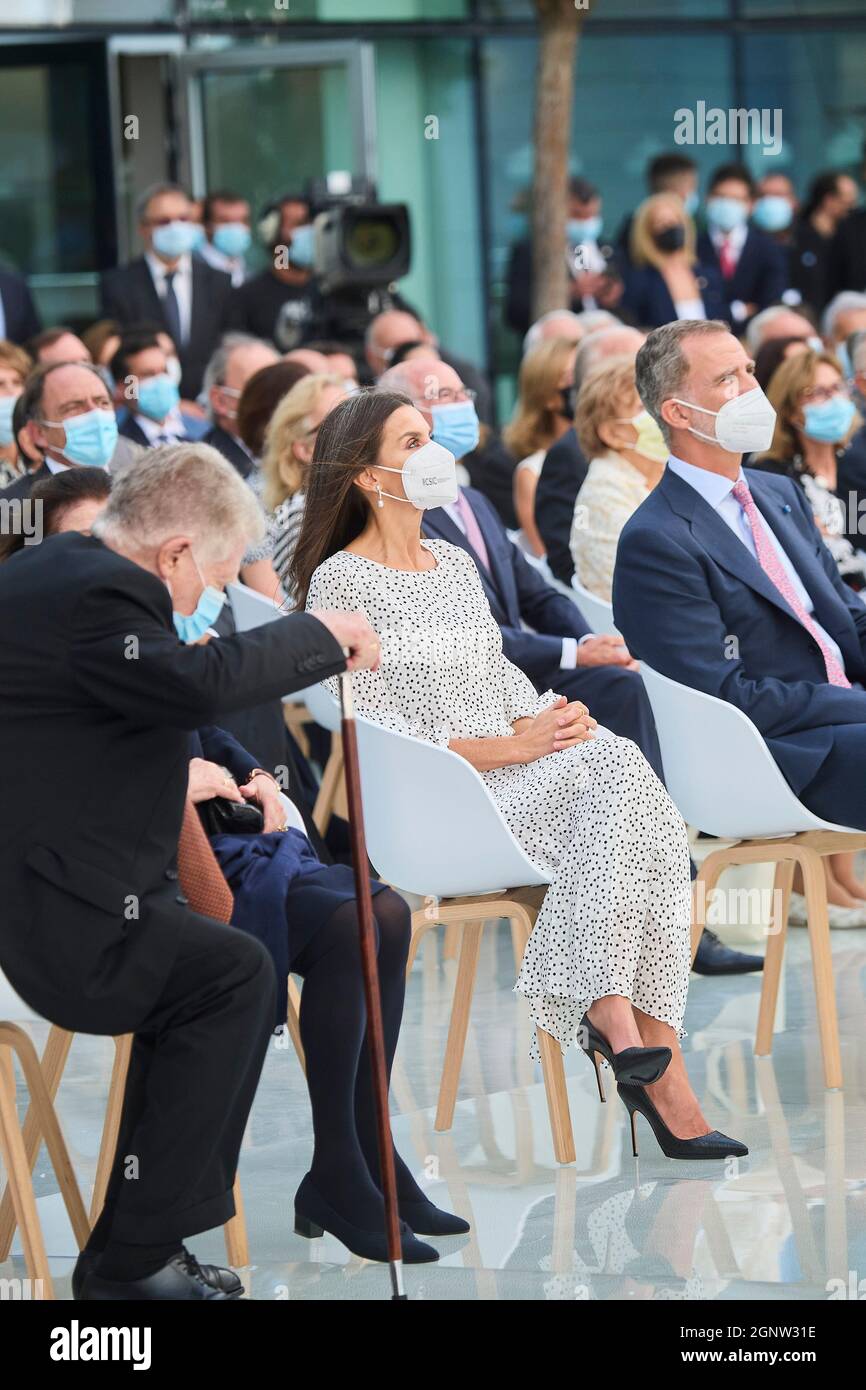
517, 594
761, 275
684, 583
648, 298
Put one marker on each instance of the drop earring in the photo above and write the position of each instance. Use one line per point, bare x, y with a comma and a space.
379, 491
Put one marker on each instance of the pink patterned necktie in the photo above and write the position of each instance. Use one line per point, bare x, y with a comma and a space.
775, 571
473, 530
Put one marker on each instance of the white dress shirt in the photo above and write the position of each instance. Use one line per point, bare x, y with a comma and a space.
170, 429
182, 285
234, 266
568, 656
719, 493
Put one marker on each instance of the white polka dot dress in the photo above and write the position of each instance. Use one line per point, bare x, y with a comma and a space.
616, 917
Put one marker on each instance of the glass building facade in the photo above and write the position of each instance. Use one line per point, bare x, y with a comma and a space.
432, 98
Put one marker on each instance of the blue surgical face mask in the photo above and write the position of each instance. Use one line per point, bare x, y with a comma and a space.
828, 421
199, 236
157, 396
726, 213
691, 202
580, 229
177, 238
302, 251
772, 213
91, 438
232, 238
7, 406
455, 427
191, 627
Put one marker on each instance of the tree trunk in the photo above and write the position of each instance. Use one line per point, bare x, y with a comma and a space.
560, 22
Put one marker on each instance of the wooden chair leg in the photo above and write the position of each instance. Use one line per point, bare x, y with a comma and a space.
451, 944
53, 1062
774, 957
463, 990
420, 925
331, 779
518, 944
815, 885
18, 1177
111, 1123
553, 1072
708, 877
293, 1022
47, 1125
235, 1232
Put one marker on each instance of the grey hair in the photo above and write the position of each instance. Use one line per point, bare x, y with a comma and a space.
595, 346
533, 333
755, 330
181, 490
857, 350
215, 371
841, 303
661, 366
591, 319
146, 198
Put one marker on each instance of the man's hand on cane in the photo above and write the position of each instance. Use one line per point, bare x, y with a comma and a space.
355, 636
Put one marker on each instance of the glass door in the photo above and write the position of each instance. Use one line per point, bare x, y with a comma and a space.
263, 120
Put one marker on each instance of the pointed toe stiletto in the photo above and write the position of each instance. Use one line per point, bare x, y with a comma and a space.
314, 1216
712, 1145
426, 1219
635, 1066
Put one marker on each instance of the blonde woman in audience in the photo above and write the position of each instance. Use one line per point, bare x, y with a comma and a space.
627, 457
543, 413
608, 961
665, 280
289, 442
14, 367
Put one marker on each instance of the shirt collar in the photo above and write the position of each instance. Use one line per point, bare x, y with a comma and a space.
159, 269
736, 237
713, 487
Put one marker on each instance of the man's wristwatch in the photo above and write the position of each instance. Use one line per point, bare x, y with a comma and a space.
262, 772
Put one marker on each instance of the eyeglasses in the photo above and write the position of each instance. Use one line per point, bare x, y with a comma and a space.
818, 395
450, 397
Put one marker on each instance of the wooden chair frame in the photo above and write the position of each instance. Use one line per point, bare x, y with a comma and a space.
806, 849
469, 914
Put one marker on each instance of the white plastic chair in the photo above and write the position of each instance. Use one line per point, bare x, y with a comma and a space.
433, 829
19, 1145
251, 609
725, 782
598, 613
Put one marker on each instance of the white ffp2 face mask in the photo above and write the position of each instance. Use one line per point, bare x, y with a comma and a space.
744, 425
429, 478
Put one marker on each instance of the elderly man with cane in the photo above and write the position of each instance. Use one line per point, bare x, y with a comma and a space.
97, 701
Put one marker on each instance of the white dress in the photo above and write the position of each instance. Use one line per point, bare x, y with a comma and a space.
615, 919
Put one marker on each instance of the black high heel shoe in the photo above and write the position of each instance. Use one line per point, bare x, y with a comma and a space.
314, 1216
712, 1145
636, 1066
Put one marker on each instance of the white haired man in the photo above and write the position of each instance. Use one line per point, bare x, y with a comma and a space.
97, 700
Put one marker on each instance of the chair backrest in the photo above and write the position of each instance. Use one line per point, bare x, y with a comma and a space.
322, 705
598, 613
431, 824
251, 608
12, 1006
718, 769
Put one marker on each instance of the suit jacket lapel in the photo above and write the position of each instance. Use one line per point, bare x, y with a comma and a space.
148, 290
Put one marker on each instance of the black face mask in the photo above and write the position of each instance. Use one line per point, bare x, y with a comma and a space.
670, 239
566, 394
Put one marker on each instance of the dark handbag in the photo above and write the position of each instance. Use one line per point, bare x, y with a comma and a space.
220, 816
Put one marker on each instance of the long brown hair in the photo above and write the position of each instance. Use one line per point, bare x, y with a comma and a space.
335, 511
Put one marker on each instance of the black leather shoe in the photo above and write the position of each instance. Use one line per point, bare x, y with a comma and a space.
182, 1279
712, 958
705, 1146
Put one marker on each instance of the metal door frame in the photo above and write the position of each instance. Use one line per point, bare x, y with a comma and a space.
357, 57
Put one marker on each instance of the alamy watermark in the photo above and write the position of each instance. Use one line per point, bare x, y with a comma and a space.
21, 516
712, 125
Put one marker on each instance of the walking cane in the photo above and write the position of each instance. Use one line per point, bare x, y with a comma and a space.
372, 995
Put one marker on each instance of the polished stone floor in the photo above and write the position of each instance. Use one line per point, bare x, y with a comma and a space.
788, 1222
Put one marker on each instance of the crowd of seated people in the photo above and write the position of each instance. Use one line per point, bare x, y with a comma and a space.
619, 467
